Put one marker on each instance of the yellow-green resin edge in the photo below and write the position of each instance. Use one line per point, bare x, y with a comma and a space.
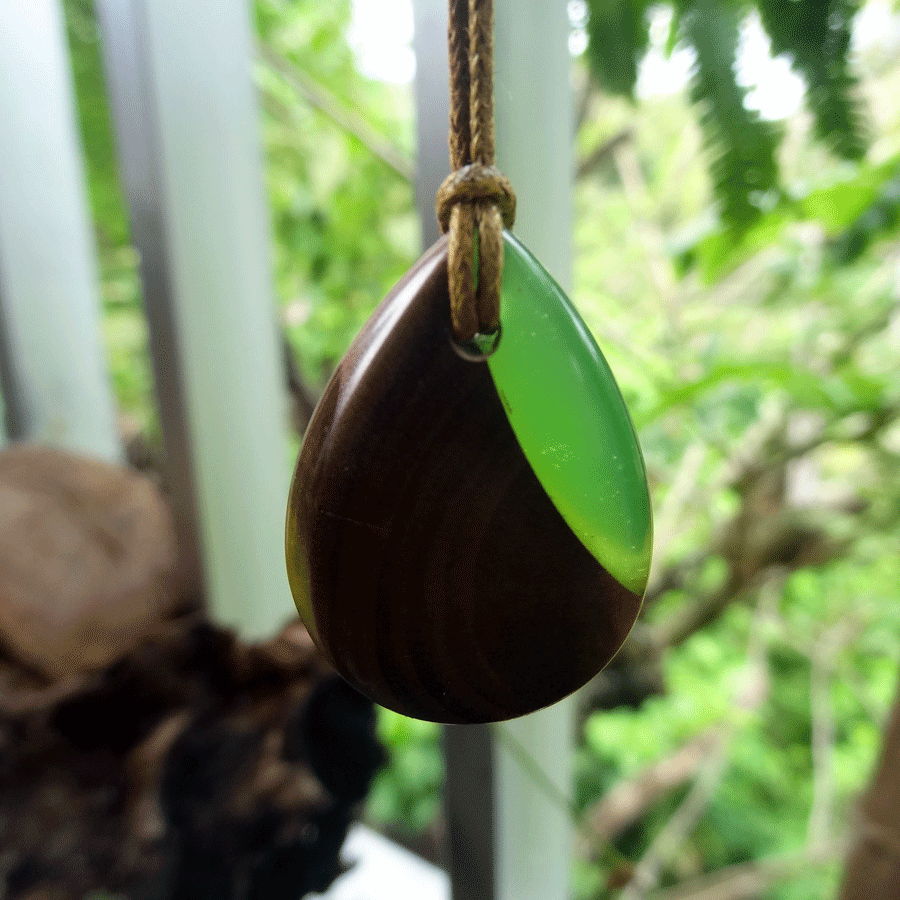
568, 414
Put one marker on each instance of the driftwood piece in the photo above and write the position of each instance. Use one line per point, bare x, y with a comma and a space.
144, 752
87, 556
193, 767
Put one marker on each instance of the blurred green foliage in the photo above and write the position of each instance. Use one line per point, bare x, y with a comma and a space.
343, 220
407, 792
814, 34
713, 330
733, 346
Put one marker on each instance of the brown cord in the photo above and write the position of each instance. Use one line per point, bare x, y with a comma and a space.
476, 200
458, 49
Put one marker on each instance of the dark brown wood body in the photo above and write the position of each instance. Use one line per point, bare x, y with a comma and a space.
443, 582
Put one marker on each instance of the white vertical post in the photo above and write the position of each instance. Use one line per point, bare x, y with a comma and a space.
432, 109
49, 287
535, 151
3, 414
208, 233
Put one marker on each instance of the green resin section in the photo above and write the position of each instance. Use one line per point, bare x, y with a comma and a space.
568, 414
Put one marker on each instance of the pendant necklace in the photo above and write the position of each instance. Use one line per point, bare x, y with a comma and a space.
469, 528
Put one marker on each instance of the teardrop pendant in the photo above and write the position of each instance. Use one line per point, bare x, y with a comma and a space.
470, 542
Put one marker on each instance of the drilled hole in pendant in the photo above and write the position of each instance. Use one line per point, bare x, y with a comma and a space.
479, 347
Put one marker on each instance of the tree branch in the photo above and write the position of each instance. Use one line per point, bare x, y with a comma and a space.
822, 740
303, 401
677, 830
318, 97
765, 533
659, 261
626, 802
749, 881
682, 823
602, 153
583, 94
873, 868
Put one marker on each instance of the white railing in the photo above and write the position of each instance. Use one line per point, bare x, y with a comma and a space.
179, 76
54, 370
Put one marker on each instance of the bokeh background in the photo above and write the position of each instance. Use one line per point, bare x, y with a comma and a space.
737, 241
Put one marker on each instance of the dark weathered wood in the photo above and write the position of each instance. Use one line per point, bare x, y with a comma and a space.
194, 767
87, 560
428, 562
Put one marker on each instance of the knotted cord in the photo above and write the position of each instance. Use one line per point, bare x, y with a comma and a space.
476, 200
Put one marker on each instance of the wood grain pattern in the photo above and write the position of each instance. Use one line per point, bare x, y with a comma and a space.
429, 564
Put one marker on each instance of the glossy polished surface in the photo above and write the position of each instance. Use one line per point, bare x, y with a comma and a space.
428, 562
568, 414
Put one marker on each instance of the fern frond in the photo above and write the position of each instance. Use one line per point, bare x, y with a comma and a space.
743, 146
816, 35
617, 39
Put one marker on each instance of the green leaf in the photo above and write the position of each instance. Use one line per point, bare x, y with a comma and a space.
853, 211
719, 249
743, 166
816, 35
805, 387
617, 39
879, 218
838, 205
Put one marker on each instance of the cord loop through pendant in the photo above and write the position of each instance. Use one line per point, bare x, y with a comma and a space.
476, 200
